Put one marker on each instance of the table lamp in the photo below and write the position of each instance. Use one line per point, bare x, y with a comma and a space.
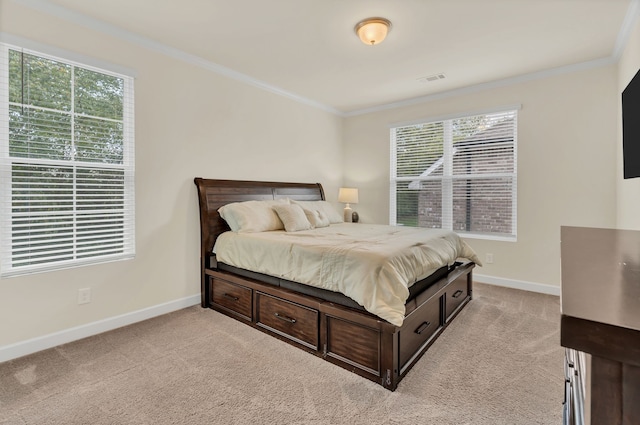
348, 195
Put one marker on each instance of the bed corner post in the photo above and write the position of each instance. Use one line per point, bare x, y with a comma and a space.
321, 191
389, 373
204, 288
470, 283
204, 226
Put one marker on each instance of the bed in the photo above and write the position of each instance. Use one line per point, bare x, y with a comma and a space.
326, 323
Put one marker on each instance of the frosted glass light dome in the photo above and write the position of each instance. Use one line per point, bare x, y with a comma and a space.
372, 30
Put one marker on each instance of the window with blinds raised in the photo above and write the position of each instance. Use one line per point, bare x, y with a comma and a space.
457, 174
67, 164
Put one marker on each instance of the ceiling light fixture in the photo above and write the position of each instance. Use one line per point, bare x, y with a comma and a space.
372, 30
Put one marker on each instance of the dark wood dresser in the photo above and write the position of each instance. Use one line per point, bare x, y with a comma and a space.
600, 305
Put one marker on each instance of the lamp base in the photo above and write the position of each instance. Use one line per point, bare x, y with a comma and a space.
348, 217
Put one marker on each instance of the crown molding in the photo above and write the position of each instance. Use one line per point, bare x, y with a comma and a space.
46, 49
630, 19
487, 86
44, 6
116, 32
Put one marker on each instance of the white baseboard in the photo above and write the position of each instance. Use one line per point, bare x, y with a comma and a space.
34, 345
518, 284
30, 346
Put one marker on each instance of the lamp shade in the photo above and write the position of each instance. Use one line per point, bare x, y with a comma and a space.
348, 195
372, 30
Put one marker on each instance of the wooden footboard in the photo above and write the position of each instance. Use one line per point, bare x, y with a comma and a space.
352, 339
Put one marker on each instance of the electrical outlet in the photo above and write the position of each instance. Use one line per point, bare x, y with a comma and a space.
489, 258
84, 295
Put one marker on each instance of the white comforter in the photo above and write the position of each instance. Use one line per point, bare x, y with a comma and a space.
372, 264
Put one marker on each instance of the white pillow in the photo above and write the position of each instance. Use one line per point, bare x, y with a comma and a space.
292, 217
324, 206
317, 218
252, 216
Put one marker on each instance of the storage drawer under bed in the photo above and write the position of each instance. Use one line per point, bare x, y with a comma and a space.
457, 293
233, 298
418, 329
290, 320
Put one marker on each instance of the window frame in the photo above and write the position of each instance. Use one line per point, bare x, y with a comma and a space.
447, 166
127, 166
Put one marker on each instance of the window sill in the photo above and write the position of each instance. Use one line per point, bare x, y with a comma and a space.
501, 238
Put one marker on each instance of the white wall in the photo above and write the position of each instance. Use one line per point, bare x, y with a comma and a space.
189, 122
628, 190
566, 164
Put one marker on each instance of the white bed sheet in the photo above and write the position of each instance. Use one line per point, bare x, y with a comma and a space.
372, 264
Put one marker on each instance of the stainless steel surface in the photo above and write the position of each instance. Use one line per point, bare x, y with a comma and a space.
575, 376
567, 404
579, 386
601, 275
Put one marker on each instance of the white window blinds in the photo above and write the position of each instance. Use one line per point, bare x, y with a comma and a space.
67, 163
457, 174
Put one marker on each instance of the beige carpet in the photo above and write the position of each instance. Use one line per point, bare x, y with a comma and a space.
500, 362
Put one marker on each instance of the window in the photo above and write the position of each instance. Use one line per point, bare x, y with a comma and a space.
457, 174
66, 163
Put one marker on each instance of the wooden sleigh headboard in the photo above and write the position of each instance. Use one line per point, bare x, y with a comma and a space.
213, 194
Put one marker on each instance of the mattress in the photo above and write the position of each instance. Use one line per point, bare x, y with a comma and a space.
375, 265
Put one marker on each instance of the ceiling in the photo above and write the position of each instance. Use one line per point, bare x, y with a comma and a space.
307, 49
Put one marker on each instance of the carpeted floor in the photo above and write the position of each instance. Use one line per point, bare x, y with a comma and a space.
499, 362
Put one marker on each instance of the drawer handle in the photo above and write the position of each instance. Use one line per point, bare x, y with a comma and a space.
231, 297
422, 327
457, 293
285, 318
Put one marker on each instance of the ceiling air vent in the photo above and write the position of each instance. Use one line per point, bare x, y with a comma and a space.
430, 78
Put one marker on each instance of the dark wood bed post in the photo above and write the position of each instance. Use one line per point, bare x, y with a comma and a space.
204, 229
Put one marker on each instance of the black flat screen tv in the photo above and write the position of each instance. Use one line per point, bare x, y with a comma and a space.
631, 128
